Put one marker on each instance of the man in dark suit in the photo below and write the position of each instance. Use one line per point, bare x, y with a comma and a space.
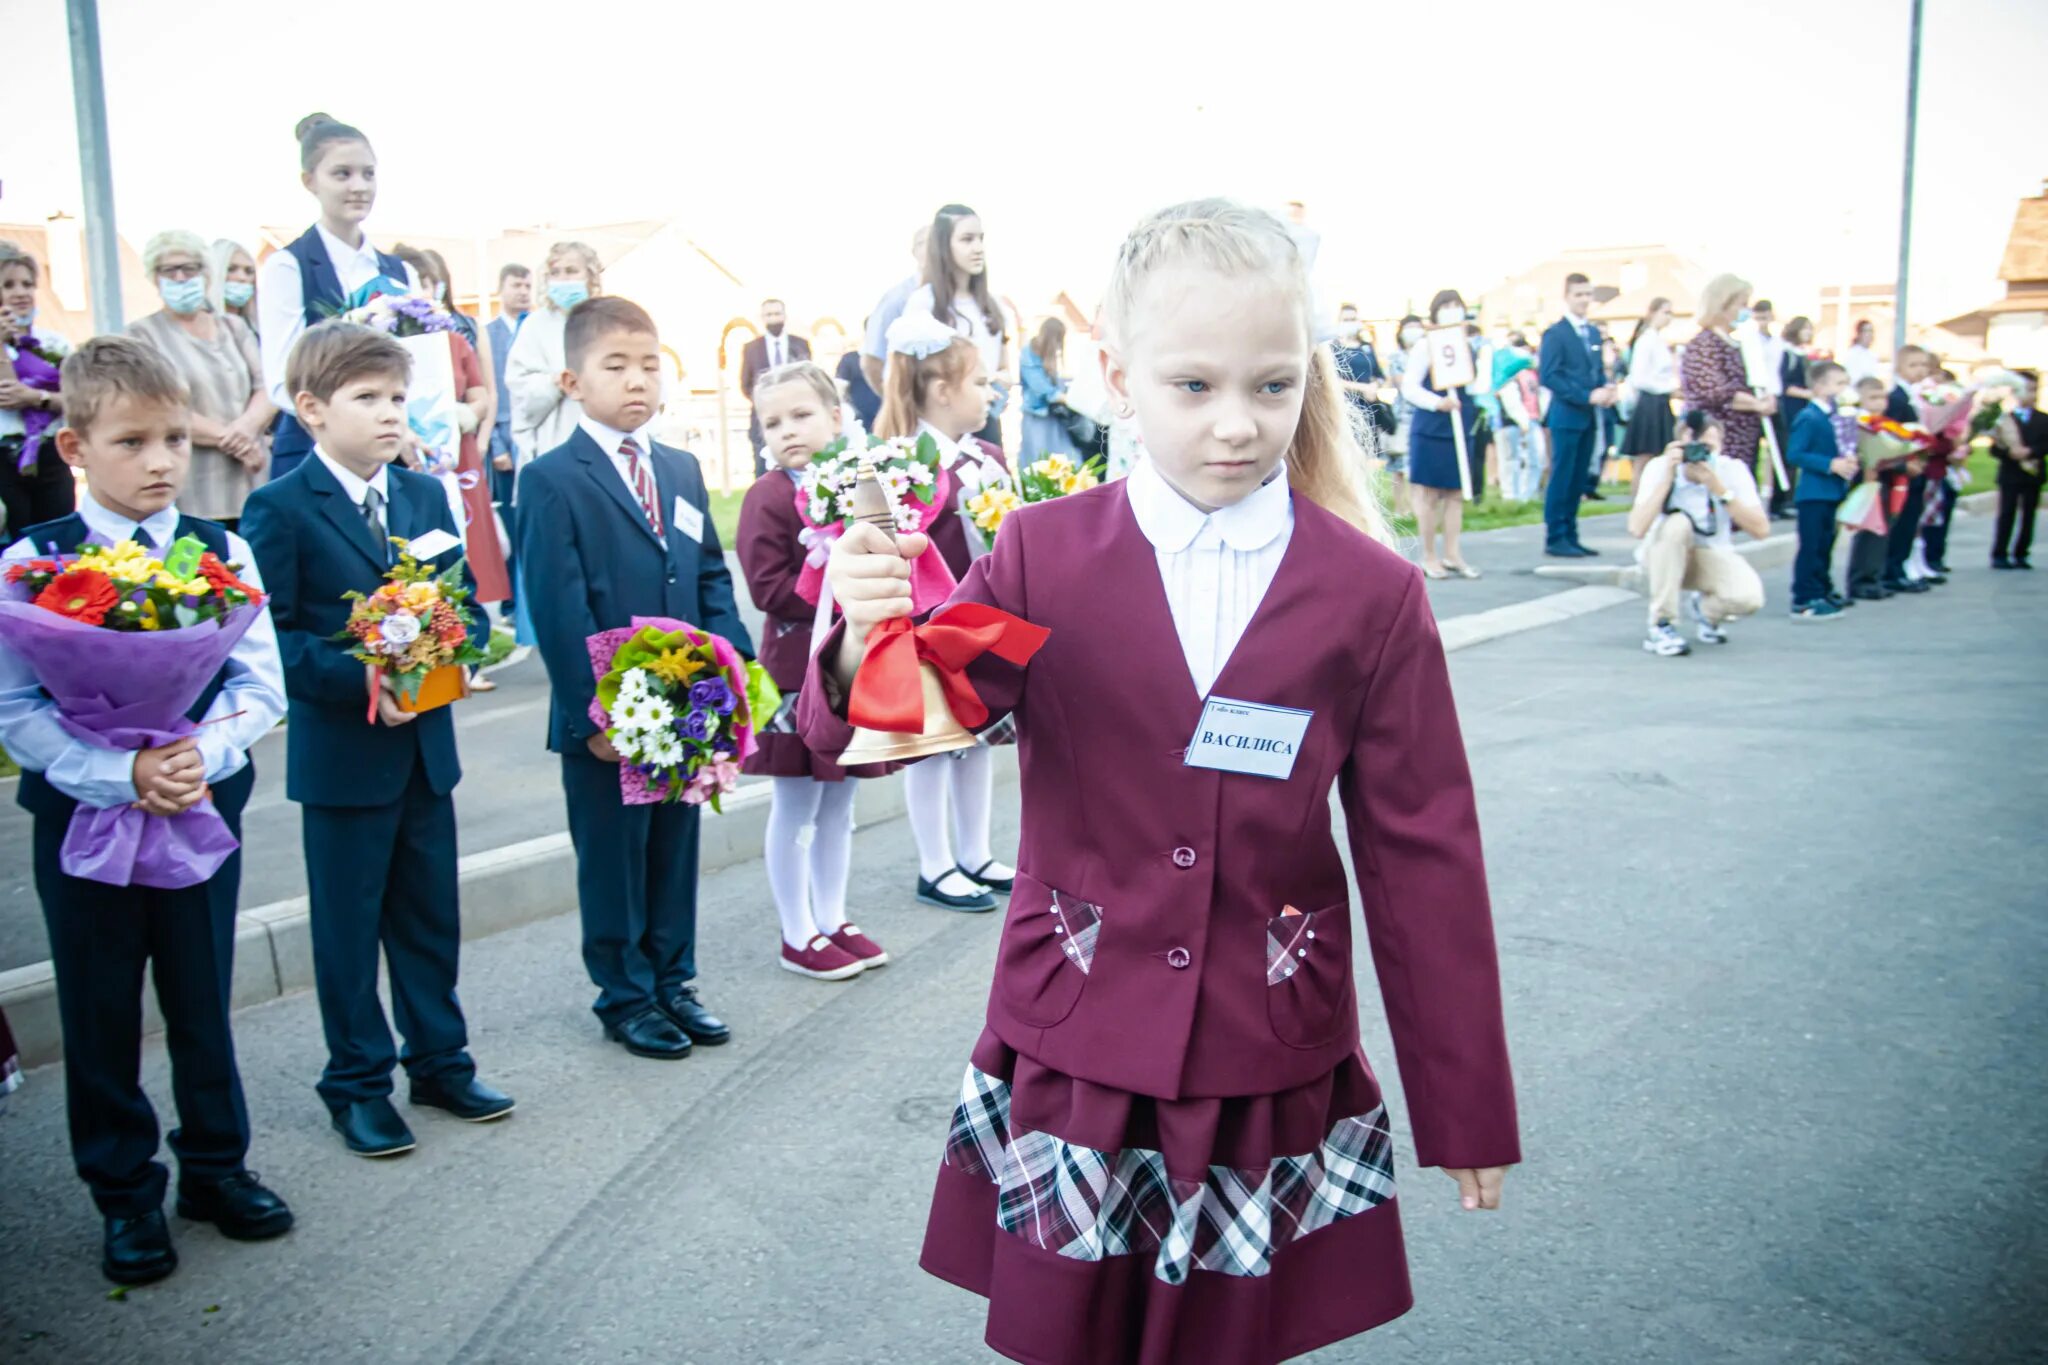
1569, 365
763, 354
377, 793
615, 526
2020, 470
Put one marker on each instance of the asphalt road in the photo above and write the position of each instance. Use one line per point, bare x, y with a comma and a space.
1772, 941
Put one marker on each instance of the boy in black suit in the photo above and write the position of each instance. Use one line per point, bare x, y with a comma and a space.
379, 820
612, 526
129, 429
2020, 467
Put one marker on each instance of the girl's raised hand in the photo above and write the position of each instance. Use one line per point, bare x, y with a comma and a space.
870, 576
1477, 1189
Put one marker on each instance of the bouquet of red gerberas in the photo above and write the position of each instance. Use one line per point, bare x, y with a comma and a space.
125, 641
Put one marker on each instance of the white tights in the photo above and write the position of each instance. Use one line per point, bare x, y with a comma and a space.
970, 779
810, 845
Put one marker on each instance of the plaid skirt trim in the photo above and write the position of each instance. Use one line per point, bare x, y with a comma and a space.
1088, 1204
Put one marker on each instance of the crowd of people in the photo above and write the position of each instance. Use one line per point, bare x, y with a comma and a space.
246, 413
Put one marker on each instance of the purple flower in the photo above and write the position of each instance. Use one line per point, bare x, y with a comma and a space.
714, 693
695, 725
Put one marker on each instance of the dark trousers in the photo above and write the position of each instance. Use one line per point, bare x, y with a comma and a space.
1866, 560
384, 876
1811, 579
1905, 528
636, 882
1570, 452
45, 493
2016, 506
101, 939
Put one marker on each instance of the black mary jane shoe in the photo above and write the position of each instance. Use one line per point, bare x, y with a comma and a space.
372, 1128
138, 1250
687, 1013
239, 1205
1002, 885
469, 1099
975, 902
650, 1033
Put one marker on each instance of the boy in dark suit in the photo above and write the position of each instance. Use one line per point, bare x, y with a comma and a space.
614, 526
379, 820
129, 429
1911, 365
1571, 368
1822, 483
2019, 477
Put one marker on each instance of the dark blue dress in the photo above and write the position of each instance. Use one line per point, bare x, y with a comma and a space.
1432, 449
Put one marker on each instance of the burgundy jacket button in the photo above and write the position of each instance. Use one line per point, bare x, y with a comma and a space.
1183, 858
1177, 958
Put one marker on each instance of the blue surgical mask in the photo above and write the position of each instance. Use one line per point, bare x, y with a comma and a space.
237, 293
566, 294
1742, 317
183, 297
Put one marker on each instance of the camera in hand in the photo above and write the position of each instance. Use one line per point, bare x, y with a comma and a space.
1696, 452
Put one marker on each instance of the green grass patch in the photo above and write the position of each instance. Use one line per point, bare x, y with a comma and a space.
725, 515
1494, 513
8, 767
503, 642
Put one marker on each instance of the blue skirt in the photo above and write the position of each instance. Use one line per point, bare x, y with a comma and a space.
1045, 436
1433, 460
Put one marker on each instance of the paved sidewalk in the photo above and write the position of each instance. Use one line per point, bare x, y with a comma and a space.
1772, 951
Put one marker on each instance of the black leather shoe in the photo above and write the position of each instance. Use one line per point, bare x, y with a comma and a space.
2000, 562
138, 1250
1869, 594
373, 1128
974, 902
978, 876
1585, 552
2022, 564
651, 1033
698, 1024
238, 1205
1899, 585
469, 1100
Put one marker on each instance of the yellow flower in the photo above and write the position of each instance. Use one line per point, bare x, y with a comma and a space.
991, 505
181, 587
149, 618
419, 598
674, 667
126, 561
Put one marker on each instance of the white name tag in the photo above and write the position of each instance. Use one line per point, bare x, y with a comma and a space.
1245, 737
689, 520
432, 545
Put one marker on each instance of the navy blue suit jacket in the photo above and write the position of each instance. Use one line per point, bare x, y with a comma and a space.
591, 563
1571, 374
313, 546
1898, 405
1811, 450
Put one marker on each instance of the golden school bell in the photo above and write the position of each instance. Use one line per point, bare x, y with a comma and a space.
942, 733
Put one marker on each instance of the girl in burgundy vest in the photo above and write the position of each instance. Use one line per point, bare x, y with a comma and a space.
1169, 1146
798, 408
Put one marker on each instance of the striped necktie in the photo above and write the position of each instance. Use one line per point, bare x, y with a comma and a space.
642, 479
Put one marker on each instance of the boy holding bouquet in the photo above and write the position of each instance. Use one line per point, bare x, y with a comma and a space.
613, 526
379, 817
129, 430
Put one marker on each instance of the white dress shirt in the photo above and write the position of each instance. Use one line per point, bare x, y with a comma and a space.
778, 349
281, 301
355, 485
609, 439
1861, 364
94, 776
1651, 366
1215, 566
1415, 370
967, 321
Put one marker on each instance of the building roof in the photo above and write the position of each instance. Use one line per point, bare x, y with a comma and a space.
2026, 247
63, 296
1625, 279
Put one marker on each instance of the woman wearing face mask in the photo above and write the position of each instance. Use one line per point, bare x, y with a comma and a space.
542, 415
217, 356
1410, 336
311, 280
35, 484
231, 281
1433, 483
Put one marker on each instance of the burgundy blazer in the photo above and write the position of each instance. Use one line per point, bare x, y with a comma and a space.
1144, 946
771, 558
947, 531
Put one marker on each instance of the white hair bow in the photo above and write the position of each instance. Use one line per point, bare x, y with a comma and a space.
920, 335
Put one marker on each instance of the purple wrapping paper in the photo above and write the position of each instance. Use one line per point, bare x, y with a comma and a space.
130, 690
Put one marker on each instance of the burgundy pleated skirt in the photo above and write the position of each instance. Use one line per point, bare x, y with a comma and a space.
781, 752
1106, 1227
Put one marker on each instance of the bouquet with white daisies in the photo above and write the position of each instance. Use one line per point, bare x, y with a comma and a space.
681, 707
915, 483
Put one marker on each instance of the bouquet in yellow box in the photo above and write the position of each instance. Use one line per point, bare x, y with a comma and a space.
417, 629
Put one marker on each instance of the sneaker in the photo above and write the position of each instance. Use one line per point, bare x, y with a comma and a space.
1821, 610
821, 959
1708, 632
1664, 641
860, 947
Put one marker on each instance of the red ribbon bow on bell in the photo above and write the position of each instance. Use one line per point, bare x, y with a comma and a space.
887, 693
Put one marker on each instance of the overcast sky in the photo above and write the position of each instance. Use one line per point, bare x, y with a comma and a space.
1436, 144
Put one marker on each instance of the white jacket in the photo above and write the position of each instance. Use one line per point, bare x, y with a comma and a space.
542, 415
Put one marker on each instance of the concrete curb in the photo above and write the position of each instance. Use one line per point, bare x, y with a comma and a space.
502, 888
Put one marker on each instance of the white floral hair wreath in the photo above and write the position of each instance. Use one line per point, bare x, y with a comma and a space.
920, 335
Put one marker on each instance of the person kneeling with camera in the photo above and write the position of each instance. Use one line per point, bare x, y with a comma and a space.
1689, 501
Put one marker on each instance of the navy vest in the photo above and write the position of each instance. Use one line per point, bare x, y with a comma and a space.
1437, 425
64, 536
321, 288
